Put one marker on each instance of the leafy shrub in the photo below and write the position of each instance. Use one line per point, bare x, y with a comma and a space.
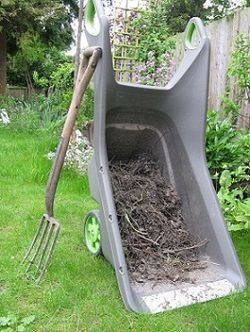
230, 109
234, 198
229, 164
62, 77
226, 148
220, 144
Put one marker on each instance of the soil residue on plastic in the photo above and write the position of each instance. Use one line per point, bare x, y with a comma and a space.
157, 243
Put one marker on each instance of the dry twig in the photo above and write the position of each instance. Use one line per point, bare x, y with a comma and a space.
160, 246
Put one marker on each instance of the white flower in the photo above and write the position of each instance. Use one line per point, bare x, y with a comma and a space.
51, 155
4, 118
220, 8
78, 154
208, 4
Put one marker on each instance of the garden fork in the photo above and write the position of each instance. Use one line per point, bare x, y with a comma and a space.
39, 253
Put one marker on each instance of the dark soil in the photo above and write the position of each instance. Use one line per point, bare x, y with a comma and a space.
157, 243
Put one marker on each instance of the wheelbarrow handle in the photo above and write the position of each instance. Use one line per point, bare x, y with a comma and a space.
194, 23
88, 64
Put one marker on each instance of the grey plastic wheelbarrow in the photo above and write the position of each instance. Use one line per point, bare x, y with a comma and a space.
171, 122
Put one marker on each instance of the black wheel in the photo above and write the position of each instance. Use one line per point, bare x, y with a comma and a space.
92, 233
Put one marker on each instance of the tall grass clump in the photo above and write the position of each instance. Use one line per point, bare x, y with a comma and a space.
45, 113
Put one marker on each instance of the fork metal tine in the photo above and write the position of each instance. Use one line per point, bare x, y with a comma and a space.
45, 265
34, 239
42, 246
44, 250
43, 231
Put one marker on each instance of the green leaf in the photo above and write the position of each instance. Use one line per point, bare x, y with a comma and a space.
5, 321
28, 320
21, 328
13, 319
247, 224
244, 207
236, 227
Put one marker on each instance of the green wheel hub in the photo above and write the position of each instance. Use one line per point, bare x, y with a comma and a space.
92, 234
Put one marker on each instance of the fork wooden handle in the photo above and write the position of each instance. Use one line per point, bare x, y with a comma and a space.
88, 64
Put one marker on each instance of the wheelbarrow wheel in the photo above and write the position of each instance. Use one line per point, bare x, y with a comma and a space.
92, 233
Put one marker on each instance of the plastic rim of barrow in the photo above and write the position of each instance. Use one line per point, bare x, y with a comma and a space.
92, 234
92, 22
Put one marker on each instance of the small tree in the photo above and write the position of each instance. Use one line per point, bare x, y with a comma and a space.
50, 19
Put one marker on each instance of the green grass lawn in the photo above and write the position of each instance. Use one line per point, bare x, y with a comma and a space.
80, 292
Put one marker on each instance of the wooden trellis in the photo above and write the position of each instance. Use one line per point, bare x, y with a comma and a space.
125, 39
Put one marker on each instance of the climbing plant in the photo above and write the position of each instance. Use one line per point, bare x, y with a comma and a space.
240, 65
239, 71
155, 46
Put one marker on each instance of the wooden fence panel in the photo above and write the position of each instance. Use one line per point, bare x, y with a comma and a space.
223, 34
22, 93
17, 92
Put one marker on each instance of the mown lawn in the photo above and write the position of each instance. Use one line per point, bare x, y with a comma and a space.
80, 292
